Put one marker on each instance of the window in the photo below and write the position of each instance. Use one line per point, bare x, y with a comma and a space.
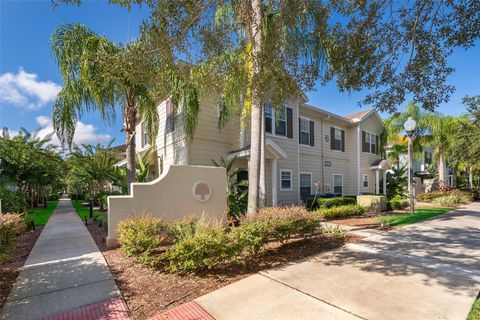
305, 184
285, 180
268, 117
428, 157
365, 181
170, 117
278, 120
369, 142
338, 184
337, 141
306, 131
145, 138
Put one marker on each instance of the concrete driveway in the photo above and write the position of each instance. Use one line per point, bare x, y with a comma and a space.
429, 270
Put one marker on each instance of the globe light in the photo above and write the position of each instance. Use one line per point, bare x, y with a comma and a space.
410, 124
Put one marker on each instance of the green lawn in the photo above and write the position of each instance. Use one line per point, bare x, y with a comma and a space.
41, 215
84, 212
407, 218
475, 311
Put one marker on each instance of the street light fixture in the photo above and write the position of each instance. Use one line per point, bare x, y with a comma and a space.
409, 127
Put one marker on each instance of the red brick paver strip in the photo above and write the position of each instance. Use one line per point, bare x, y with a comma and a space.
113, 309
186, 311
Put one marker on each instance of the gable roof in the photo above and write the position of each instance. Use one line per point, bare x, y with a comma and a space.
359, 116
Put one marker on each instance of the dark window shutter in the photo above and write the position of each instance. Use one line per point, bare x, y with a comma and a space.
299, 132
332, 138
289, 123
312, 133
364, 146
343, 140
377, 147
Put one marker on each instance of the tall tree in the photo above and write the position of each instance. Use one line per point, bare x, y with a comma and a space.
99, 75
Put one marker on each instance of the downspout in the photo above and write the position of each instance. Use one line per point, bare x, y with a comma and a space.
358, 158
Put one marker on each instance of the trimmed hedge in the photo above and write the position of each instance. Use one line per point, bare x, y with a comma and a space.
453, 200
342, 211
324, 203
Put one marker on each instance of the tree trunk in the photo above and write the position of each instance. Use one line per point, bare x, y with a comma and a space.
441, 167
470, 177
262, 196
256, 116
130, 121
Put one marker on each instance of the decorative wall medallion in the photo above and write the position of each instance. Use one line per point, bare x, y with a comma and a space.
201, 191
327, 138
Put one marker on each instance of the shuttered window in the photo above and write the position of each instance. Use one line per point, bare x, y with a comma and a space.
278, 121
285, 180
306, 132
337, 139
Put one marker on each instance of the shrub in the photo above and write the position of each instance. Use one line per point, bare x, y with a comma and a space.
205, 248
142, 236
336, 232
12, 201
430, 196
283, 223
397, 203
329, 202
452, 200
11, 225
183, 228
342, 211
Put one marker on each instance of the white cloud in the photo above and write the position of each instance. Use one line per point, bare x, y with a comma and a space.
84, 133
26, 90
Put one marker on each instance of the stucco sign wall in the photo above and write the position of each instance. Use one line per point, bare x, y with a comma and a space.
181, 191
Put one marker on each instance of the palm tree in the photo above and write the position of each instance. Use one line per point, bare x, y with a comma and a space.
99, 75
441, 129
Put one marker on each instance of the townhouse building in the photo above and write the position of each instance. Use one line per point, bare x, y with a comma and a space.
308, 150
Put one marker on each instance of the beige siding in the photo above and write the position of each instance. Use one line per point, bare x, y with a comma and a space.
373, 125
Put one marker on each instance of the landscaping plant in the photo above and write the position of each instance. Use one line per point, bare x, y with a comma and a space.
397, 203
142, 236
324, 203
342, 211
11, 225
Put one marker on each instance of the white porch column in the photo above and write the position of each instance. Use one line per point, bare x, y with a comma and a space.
377, 181
385, 182
274, 182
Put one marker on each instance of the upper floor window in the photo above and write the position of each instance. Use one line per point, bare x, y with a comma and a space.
369, 142
170, 117
365, 181
278, 121
306, 131
428, 157
337, 139
145, 137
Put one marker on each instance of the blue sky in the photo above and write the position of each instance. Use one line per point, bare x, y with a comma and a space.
29, 78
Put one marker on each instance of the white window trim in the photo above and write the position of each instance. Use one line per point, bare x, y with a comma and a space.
341, 129
363, 181
309, 133
300, 180
291, 180
144, 145
333, 182
377, 147
274, 121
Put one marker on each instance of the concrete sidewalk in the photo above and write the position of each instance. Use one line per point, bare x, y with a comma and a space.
429, 270
64, 271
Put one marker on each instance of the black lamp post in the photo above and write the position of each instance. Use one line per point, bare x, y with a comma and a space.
409, 127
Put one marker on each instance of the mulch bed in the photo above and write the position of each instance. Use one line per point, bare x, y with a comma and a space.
148, 291
10, 269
